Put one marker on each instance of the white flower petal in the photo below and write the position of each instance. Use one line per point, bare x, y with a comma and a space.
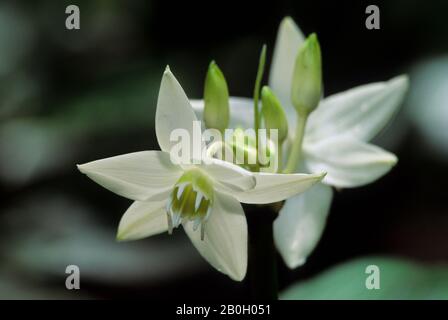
241, 111
174, 111
360, 112
225, 242
273, 187
300, 224
289, 40
348, 162
137, 176
229, 175
143, 219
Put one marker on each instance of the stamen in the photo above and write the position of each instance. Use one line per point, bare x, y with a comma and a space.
209, 211
180, 190
168, 205
198, 200
176, 220
202, 231
190, 201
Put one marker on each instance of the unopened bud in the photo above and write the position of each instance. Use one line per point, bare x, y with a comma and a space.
306, 89
273, 113
216, 99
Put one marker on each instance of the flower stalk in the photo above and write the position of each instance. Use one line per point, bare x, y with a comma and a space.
258, 79
262, 253
306, 91
296, 150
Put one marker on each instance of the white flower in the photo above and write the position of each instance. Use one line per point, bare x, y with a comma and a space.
336, 142
204, 196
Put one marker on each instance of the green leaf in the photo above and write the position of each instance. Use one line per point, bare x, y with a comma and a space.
399, 279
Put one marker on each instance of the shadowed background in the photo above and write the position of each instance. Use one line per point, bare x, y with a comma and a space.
69, 97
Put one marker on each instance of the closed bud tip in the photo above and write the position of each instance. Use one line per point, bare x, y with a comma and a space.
273, 113
216, 99
306, 87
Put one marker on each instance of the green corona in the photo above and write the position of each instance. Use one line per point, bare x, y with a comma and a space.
191, 201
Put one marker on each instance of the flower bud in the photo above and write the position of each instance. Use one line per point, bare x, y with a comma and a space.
216, 99
273, 113
246, 154
306, 88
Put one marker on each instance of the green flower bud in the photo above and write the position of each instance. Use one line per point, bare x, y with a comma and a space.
306, 89
216, 99
273, 113
246, 154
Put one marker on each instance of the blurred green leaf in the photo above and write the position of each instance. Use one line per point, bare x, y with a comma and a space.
52, 231
14, 287
13, 26
428, 103
399, 279
31, 147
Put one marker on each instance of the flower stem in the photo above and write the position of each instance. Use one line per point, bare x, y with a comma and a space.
262, 254
296, 149
258, 79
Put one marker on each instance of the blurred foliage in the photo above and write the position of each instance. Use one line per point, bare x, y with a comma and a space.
428, 104
29, 144
399, 280
44, 239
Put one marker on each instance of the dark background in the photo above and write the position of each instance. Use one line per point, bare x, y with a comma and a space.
69, 97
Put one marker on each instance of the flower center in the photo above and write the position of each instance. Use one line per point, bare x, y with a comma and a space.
190, 201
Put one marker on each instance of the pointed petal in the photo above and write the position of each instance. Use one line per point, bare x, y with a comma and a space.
225, 242
273, 187
300, 224
241, 111
143, 219
348, 162
229, 175
137, 176
173, 111
360, 112
289, 40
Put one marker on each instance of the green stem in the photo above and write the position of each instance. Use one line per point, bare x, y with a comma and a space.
262, 254
260, 72
296, 149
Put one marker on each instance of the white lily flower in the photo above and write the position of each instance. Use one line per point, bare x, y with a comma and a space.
205, 195
336, 141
